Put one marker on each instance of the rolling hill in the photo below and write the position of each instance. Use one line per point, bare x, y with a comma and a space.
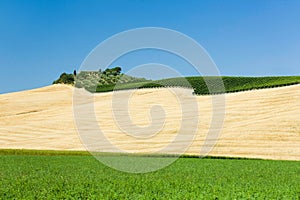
258, 123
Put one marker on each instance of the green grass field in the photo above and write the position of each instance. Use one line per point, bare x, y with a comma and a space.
76, 175
231, 84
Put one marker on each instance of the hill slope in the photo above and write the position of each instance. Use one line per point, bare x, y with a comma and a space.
259, 123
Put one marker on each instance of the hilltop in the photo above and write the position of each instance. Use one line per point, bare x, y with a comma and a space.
112, 79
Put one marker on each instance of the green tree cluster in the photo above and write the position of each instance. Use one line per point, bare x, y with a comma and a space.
90, 80
65, 79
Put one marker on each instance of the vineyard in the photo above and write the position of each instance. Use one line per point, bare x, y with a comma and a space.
200, 84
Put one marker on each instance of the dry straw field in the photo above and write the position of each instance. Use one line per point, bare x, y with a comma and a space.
258, 124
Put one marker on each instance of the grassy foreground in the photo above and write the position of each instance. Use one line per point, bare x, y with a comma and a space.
79, 176
231, 84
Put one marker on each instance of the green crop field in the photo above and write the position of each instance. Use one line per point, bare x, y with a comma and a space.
57, 175
231, 84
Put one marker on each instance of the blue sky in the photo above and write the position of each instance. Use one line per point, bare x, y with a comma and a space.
40, 39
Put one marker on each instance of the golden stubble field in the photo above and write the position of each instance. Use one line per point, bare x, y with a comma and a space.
258, 124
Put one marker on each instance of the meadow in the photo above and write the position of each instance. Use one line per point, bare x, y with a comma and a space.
77, 175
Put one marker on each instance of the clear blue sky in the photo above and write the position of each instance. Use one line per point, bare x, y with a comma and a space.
40, 39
